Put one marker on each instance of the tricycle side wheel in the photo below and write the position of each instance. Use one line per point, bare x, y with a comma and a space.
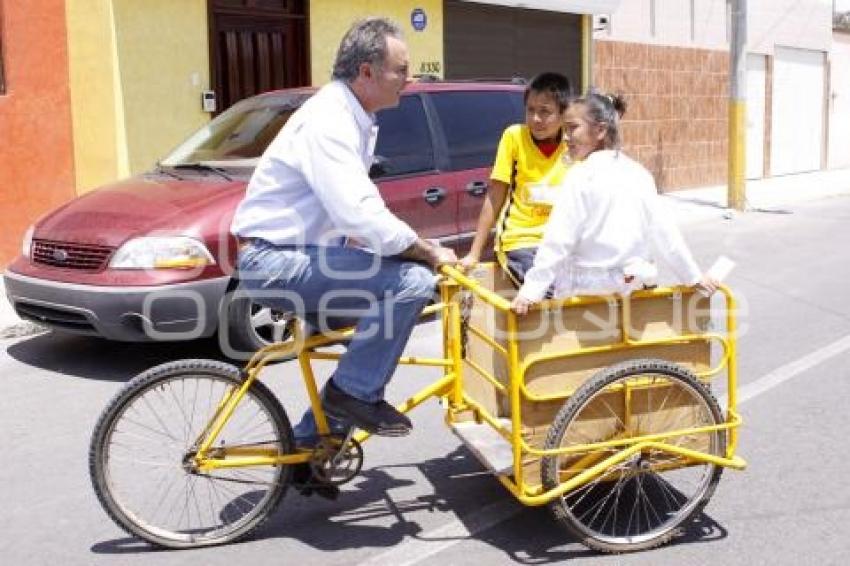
642, 501
142, 448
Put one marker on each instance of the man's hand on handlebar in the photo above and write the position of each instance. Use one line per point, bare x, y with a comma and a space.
442, 256
431, 253
467, 262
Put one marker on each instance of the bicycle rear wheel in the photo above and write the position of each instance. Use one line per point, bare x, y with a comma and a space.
142, 447
642, 501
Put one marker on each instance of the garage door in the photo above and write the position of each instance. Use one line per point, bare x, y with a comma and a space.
797, 128
839, 111
484, 41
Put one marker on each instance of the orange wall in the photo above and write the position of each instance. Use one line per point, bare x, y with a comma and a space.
36, 152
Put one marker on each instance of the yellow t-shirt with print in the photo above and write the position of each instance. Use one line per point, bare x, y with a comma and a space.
528, 203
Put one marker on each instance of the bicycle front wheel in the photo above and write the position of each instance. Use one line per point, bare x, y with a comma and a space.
143, 444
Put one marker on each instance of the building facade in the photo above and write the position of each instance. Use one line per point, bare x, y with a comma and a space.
671, 58
838, 134
96, 90
36, 159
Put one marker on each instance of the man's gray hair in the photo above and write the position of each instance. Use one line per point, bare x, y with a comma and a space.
364, 42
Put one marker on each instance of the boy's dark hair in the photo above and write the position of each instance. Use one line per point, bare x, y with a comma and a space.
555, 84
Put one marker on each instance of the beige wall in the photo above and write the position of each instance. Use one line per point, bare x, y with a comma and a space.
790, 23
804, 24
163, 53
632, 22
839, 102
329, 19
136, 71
96, 111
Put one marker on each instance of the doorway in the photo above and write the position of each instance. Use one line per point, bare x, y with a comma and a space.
257, 46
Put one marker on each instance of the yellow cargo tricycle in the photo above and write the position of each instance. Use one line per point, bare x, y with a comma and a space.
600, 407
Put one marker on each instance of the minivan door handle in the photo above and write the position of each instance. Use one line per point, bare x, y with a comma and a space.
433, 195
477, 188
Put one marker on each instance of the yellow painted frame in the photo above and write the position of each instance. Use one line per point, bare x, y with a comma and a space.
450, 389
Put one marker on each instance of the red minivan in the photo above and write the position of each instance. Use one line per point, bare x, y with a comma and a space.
151, 257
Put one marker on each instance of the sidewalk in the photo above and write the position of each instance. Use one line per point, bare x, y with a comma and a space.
774, 194
692, 205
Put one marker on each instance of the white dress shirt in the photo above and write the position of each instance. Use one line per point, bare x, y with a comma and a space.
602, 228
312, 186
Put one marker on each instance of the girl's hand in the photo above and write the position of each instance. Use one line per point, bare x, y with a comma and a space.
708, 285
520, 305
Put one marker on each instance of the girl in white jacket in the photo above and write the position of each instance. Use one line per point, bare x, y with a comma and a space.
607, 218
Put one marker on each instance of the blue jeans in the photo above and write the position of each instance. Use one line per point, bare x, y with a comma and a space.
322, 284
519, 262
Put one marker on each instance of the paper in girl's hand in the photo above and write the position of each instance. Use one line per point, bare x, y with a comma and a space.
721, 268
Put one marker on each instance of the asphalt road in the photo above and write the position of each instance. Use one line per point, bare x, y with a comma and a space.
424, 499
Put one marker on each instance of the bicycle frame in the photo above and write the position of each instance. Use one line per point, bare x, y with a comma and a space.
450, 387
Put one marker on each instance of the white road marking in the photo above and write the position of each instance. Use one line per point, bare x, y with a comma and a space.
790, 370
417, 550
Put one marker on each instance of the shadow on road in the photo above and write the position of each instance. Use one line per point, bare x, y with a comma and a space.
93, 358
358, 519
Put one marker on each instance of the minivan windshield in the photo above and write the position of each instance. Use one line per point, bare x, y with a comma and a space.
238, 137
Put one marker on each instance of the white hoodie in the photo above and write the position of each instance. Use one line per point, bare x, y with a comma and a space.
606, 222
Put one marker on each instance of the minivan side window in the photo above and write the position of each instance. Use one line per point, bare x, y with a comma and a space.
404, 140
473, 123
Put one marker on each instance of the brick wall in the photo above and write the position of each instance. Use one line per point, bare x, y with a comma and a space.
676, 119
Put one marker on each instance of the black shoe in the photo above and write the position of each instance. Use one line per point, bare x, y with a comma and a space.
379, 418
307, 484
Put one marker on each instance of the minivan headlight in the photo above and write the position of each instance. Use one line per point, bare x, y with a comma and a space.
26, 245
161, 252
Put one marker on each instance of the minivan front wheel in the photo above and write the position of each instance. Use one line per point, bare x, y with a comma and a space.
251, 326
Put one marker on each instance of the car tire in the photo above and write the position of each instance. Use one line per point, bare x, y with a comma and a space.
250, 327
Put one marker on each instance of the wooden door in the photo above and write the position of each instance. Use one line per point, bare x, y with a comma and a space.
257, 46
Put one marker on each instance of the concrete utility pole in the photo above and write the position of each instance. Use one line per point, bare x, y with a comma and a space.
736, 196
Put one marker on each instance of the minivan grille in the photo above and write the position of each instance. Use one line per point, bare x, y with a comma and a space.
70, 256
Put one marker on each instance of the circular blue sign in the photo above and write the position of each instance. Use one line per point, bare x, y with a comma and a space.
418, 19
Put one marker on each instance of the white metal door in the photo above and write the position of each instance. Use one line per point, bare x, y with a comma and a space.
796, 140
755, 115
839, 115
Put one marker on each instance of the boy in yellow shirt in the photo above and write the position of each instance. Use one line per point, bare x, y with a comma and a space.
526, 175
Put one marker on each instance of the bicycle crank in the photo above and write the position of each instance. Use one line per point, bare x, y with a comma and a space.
337, 460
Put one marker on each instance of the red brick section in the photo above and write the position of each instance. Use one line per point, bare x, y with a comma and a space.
676, 119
